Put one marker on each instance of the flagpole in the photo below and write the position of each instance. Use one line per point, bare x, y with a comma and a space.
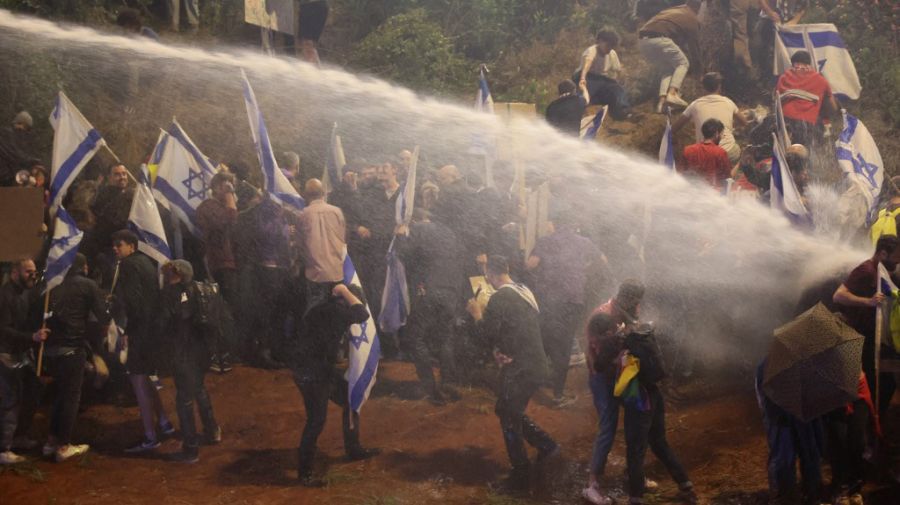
40, 361
879, 323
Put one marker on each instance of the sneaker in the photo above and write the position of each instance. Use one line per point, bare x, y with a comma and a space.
650, 485
675, 100
548, 454
361, 453
10, 458
146, 445
167, 428
187, 456
215, 367
70, 451
514, 484
214, 436
48, 450
687, 495
856, 499
593, 495
24, 444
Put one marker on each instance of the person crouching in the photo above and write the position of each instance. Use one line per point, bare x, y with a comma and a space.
190, 357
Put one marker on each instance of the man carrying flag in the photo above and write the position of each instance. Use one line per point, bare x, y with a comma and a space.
805, 96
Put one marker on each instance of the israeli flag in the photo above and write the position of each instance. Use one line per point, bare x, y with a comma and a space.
275, 182
365, 349
482, 143
859, 158
885, 285
666, 148
591, 125
334, 162
784, 194
75, 142
145, 222
395, 296
828, 51
182, 175
63, 247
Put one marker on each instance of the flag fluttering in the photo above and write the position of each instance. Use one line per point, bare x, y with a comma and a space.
334, 162
182, 177
860, 160
144, 220
828, 51
590, 125
275, 183
365, 349
75, 142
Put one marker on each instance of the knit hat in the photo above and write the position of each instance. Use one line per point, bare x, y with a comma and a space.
183, 269
23, 118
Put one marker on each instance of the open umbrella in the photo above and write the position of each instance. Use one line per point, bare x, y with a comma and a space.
814, 364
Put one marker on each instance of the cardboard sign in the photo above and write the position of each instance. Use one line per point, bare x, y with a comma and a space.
21, 222
278, 15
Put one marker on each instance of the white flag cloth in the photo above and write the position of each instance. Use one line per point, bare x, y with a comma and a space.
63, 247
183, 175
334, 162
395, 303
828, 51
885, 285
590, 125
859, 158
145, 222
365, 349
482, 142
275, 183
75, 142
667, 148
783, 194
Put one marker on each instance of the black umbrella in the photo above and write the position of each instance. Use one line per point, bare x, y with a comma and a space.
814, 364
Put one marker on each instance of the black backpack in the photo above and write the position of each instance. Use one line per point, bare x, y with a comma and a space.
641, 343
210, 308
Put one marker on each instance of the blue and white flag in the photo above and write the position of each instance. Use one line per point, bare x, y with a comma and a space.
145, 222
63, 248
365, 349
828, 51
334, 162
75, 142
395, 296
886, 286
859, 158
274, 181
483, 100
182, 175
483, 143
783, 194
590, 125
666, 148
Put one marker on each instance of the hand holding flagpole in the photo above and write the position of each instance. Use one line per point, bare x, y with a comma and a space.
43, 332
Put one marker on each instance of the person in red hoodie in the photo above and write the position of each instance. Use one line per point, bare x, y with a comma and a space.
804, 92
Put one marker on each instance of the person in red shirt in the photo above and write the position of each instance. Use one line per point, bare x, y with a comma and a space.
803, 93
706, 159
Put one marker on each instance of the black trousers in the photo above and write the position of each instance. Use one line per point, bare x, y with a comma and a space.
558, 325
430, 326
67, 370
227, 279
317, 388
513, 396
19, 396
189, 374
649, 428
846, 439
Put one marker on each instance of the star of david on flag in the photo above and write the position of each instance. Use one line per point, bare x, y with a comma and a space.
365, 349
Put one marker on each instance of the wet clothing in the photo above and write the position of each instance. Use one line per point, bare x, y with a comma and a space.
718, 107
190, 360
323, 233
607, 406
863, 282
803, 91
708, 161
601, 80
562, 273
136, 305
216, 222
565, 113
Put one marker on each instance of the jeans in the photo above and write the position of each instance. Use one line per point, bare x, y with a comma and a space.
666, 57
19, 393
512, 399
431, 320
189, 372
606, 91
608, 411
558, 325
649, 428
317, 389
67, 370
790, 439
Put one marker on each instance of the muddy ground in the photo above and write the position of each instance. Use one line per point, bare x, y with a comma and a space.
431, 454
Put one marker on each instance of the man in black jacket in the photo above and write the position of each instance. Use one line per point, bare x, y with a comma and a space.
18, 332
179, 316
65, 354
318, 379
566, 111
136, 302
434, 273
510, 324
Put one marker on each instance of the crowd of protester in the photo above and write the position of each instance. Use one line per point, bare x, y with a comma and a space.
262, 285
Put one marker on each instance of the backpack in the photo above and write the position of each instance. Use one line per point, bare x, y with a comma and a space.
641, 343
210, 308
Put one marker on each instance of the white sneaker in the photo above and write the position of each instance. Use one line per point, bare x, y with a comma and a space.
69, 451
10, 458
674, 99
592, 494
650, 485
